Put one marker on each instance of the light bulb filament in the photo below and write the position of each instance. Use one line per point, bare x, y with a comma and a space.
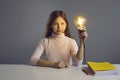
80, 22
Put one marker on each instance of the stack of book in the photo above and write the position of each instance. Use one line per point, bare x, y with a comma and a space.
100, 68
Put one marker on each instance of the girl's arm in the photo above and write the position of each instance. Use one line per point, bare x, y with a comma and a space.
44, 63
78, 58
82, 35
80, 52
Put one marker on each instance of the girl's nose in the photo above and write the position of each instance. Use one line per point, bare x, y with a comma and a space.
59, 26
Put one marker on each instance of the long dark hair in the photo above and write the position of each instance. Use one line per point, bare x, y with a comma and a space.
52, 18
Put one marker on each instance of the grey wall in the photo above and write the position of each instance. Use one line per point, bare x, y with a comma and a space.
23, 24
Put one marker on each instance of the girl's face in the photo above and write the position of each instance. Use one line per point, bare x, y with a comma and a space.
59, 26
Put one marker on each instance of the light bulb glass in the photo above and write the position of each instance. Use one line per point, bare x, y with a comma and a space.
80, 22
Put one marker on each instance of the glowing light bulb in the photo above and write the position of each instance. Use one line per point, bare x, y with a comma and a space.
80, 22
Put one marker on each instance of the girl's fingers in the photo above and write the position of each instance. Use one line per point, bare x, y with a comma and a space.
63, 65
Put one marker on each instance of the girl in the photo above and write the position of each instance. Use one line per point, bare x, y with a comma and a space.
58, 48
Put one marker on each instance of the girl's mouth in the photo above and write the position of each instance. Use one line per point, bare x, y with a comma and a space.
59, 30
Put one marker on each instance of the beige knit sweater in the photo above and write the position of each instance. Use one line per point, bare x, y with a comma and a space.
56, 48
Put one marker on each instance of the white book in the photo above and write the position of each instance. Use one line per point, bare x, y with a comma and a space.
106, 72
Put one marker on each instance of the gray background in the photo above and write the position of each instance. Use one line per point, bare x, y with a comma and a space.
23, 24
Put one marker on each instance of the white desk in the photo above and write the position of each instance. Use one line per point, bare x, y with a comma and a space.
27, 72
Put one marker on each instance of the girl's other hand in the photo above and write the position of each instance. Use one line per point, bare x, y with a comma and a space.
61, 64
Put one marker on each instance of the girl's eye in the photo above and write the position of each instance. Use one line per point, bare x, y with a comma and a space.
62, 23
55, 23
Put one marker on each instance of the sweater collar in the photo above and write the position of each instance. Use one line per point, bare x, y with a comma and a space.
58, 36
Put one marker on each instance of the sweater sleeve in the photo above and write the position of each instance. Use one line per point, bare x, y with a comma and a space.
73, 51
73, 47
38, 52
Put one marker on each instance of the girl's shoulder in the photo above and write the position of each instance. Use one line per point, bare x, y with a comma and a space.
43, 40
71, 39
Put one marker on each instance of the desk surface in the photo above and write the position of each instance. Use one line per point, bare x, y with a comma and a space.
27, 72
